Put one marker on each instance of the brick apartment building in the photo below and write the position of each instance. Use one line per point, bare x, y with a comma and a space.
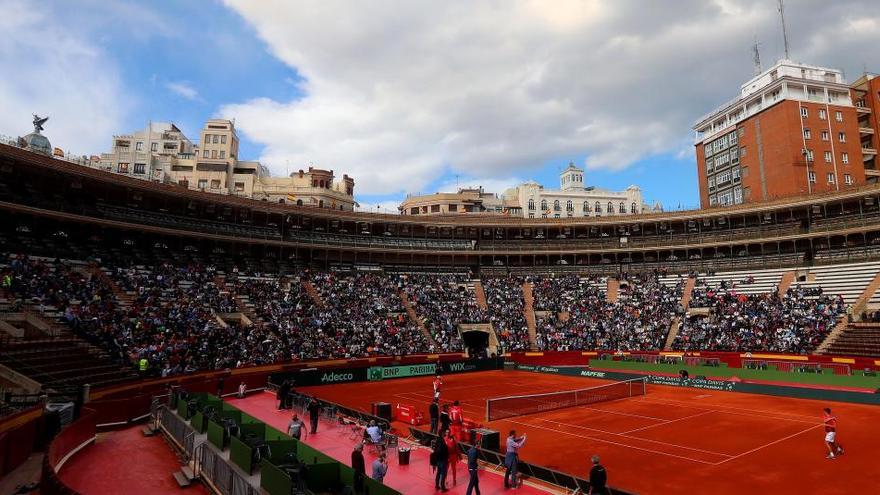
794, 130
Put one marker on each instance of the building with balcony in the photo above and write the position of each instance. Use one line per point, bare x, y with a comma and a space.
532, 200
162, 153
866, 96
794, 130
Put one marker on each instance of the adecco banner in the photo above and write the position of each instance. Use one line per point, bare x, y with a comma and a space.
330, 376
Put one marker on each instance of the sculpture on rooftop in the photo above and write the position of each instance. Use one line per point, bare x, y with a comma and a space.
38, 123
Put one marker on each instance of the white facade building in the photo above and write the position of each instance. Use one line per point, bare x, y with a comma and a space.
574, 199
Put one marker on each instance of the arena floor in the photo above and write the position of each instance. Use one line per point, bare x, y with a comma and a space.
672, 440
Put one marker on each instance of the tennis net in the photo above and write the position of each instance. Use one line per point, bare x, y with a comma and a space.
518, 405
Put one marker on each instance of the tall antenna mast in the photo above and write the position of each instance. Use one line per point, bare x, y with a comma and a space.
756, 56
784, 31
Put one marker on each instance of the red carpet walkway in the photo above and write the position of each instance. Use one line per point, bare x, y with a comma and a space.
126, 461
416, 478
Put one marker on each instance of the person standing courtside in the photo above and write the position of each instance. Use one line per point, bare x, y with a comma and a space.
440, 457
359, 467
511, 457
473, 455
434, 412
283, 390
444, 420
314, 411
598, 478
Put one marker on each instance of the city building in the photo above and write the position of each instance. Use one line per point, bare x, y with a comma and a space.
162, 153
866, 96
794, 130
532, 200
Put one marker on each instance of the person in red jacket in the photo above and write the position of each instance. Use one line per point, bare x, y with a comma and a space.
454, 454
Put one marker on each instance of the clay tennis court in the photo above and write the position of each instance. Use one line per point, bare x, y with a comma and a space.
671, 440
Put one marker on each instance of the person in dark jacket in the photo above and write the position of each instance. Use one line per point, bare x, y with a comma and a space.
283, 391
314, 411
598, 478
434, 412
359, 467
444, 420
473, 455
440, 456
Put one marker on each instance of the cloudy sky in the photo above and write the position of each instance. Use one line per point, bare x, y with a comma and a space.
410, 96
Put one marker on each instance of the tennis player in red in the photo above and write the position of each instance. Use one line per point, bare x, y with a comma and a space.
830, 422
438, 382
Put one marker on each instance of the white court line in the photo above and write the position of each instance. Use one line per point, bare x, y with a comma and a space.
769, 444
666, 422
727, 409
612, 443
659, 442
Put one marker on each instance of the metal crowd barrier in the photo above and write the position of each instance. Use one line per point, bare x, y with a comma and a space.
216, 470
178, 428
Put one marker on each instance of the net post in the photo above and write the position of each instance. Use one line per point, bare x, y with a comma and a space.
488, 401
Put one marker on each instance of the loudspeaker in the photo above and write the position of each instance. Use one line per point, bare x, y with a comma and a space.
382, 410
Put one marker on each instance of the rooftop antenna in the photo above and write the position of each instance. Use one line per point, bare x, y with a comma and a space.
756, 56
784, 31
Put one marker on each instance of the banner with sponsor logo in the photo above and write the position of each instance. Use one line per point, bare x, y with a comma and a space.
329, 376
385, 372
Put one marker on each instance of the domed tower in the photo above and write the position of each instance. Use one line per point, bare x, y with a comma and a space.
35, 141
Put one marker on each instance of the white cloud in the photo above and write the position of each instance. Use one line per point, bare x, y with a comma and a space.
51, 68
398, 94
184, 90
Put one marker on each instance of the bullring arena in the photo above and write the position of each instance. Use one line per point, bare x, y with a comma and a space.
732, 330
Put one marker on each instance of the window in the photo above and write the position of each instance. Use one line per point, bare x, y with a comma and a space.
223, 139
215, 184
154, 147
841, 136
216, 139
742, 131
731, 138
412, 211
827, 157
139, 146
531, 204
213, 154
844, 157
711, 183
140, 168
207, 139
822, 114
713, 200
811, 177
610, 207
723, 178
847, 179
838, 116
824, 135
203, 183
830, 178
222, 154
206, 154
807, 134
543, 215
453, 207
598, 207
544, 204
435, 208
531, 215
710, 165
122, 168
738, 195
632, 208
556, 215
569, 206
239, 187
742, 151
735, 173
809, 155
586, 206
556, 205
805, 112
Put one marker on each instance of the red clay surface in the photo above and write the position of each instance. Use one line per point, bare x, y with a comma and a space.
672, 440
126, 461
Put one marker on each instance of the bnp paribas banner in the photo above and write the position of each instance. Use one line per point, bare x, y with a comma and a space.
377, 373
